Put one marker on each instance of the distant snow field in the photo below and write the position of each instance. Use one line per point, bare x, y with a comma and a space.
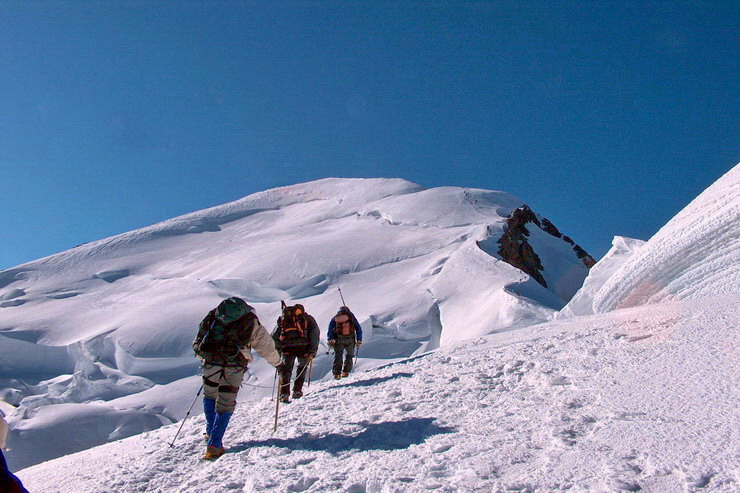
474, 376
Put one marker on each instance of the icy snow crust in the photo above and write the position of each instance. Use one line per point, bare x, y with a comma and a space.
640, 399
696, 254
95, 341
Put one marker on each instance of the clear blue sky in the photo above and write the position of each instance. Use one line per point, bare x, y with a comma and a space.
605, 117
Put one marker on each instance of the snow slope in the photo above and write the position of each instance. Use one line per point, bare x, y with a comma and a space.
98, 338
640, 399
696, 254
582, 302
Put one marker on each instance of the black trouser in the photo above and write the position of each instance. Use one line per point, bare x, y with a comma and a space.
342, 345
301, 373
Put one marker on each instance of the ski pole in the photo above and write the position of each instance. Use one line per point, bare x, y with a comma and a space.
277, 404
274, 382
186, 416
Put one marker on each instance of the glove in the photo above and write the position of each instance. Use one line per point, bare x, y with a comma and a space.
280, 368
331, 342
312, 355
358, 343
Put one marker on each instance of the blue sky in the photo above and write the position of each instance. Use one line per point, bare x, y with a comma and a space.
605, 117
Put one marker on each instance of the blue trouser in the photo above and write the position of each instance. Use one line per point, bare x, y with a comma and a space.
209, 409
220, 422
216, 423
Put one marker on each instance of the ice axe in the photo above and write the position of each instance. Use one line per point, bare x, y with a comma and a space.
310, 370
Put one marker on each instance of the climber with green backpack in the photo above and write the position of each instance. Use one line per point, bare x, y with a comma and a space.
296, 336
224, 342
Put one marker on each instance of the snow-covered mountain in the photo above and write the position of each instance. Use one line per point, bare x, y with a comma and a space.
634, 399
95, 341
695, 255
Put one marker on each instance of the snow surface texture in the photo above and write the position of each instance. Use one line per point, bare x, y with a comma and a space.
696, 254
641, 399
95, 341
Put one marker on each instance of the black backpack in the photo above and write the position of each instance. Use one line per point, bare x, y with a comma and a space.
228, 330
293, 328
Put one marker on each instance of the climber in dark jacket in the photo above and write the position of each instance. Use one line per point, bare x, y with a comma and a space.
296, 336
345, 334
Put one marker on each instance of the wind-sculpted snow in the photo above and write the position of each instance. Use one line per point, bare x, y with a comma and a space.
696, 254
643, 399
409, 262
582, 302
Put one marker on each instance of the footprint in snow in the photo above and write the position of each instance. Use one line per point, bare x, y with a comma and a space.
575, 404
234, 486
303, 484
560, 380
639, 338
442, 448
625, 485
702, 481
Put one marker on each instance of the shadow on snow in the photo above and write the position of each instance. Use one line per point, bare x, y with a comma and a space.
368, 382
391, 435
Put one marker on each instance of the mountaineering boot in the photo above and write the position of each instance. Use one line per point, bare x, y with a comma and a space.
345, 374
297, 394
284, 398
337, 377
209, 409
213, 453
217, 432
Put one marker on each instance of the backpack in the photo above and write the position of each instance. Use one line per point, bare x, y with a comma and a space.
293, 327
343, 325
229, 329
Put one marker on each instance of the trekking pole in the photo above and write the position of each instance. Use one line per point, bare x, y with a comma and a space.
274, 382
310, 371
357, 353
340, 295
277, 404
186, 416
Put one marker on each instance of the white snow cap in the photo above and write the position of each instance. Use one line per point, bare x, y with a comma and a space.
695, 255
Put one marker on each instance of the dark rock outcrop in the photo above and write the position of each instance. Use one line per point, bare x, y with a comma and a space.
516, 250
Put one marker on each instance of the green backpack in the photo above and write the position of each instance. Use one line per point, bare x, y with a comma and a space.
228, 330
